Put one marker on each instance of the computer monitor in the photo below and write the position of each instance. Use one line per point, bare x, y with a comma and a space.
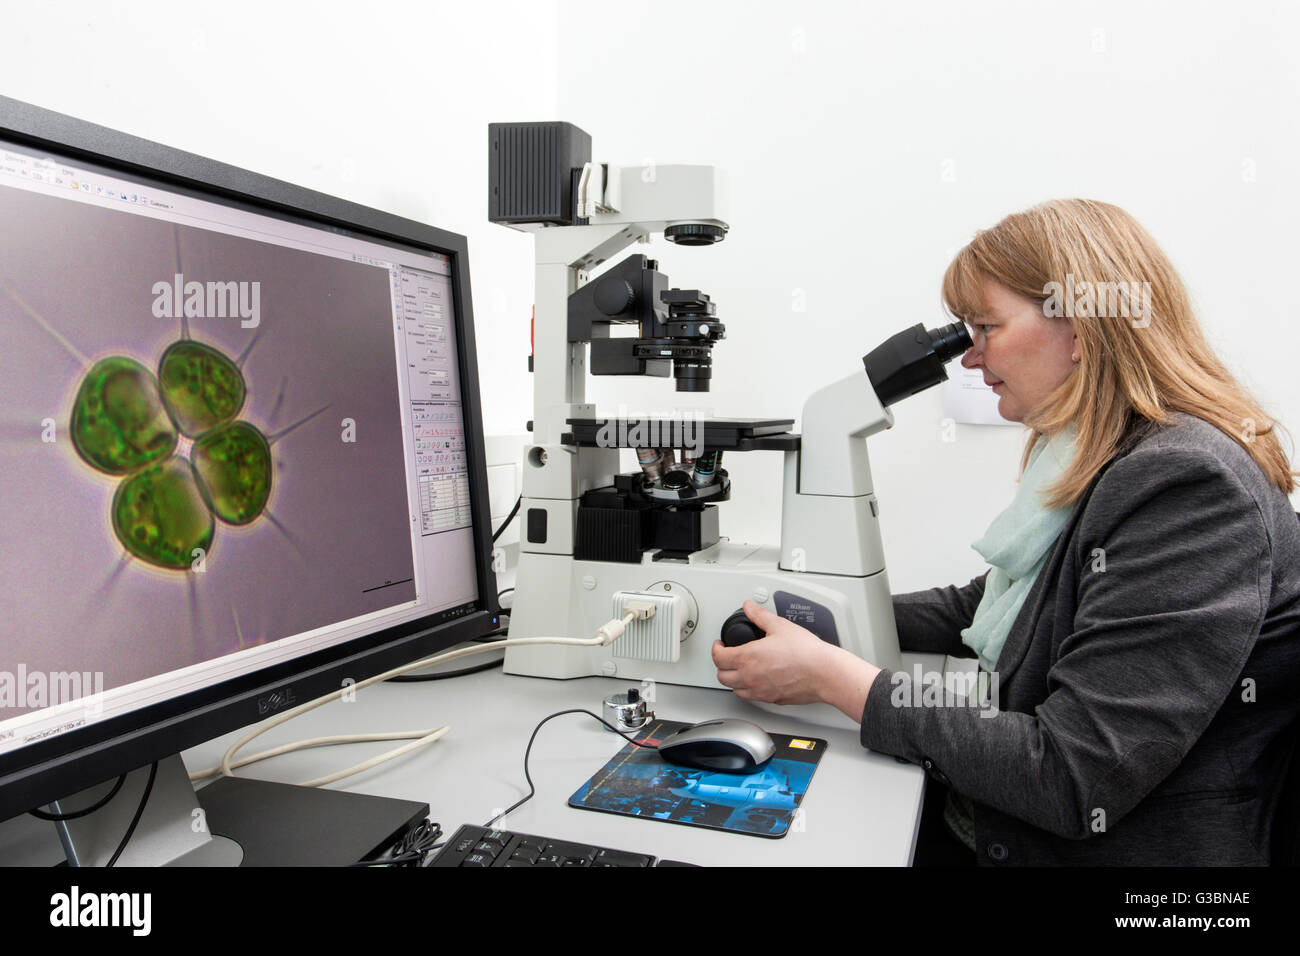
240, 444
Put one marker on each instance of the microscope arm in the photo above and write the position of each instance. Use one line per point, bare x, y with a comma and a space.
833, 454
829, 513
624, 205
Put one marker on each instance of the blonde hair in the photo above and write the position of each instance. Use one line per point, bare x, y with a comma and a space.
1132, 367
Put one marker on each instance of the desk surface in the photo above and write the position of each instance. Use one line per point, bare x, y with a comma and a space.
862, 808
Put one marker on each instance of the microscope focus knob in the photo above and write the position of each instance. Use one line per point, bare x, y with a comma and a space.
613, 295
739, 629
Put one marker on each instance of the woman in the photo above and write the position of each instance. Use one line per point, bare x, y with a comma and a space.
1141, 613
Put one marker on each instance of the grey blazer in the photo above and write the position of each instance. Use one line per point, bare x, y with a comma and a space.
1148, 687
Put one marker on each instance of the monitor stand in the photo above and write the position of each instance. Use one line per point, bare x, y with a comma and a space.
232, 822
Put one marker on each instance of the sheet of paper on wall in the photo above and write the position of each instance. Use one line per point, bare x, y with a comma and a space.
967, 400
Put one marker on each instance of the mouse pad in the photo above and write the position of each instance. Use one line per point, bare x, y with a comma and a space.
763, 802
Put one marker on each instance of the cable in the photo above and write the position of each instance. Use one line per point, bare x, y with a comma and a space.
447, 675
300, 745
60, 817
529, 749
139, 812
424, 741
607, 633
509, 518
416, 843
318, 742
418, 678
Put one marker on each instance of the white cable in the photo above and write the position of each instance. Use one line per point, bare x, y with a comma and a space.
376, 761
313, 742
608, 632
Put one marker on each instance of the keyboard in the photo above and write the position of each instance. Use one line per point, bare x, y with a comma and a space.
479, 846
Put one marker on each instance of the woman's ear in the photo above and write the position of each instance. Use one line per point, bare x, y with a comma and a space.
1074, 345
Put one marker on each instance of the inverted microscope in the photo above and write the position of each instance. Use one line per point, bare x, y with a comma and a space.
593, 538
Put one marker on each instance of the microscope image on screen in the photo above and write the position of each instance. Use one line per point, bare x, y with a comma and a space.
184, 459
204, 431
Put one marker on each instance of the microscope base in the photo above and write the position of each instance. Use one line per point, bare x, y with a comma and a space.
558, 596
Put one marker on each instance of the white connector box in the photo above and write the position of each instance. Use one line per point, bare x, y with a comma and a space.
658, 638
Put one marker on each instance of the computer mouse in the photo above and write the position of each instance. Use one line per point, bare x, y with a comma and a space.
726, 745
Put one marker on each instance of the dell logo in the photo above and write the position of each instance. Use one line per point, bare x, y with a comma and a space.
275, 700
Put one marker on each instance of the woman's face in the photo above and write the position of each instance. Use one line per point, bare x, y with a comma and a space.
1024, 355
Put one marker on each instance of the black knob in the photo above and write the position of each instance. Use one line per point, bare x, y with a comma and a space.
613, 295
739, 629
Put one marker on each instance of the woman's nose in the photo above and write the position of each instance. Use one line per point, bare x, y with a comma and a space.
971, 359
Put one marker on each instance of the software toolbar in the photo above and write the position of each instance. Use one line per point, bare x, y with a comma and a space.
423, 301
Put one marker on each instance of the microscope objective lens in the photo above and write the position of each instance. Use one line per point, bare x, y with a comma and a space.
706, 469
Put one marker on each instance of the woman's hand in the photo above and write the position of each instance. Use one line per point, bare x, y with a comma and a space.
791, 665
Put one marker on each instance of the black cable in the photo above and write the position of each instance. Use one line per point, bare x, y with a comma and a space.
501, 594
418, 678
420, 841
509, 518
415, 845
139, 812
60, 817
529, 749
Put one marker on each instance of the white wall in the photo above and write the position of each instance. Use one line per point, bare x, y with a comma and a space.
839, 121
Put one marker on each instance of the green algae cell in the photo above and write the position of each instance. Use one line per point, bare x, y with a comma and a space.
233, 465
160, 516
125, 422
201, 387
118, 422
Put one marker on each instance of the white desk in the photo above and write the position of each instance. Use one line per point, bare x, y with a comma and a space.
861, 809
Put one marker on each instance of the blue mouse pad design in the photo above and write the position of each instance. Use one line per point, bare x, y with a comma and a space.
639, 783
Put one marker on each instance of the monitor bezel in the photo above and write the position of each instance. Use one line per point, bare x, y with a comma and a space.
41, 772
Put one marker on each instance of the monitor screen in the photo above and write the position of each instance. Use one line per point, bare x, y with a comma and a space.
231, 437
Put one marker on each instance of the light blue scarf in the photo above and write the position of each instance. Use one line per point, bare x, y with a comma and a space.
1016, 547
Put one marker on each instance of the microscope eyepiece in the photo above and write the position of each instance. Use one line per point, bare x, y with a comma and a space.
949, 341
913, 360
